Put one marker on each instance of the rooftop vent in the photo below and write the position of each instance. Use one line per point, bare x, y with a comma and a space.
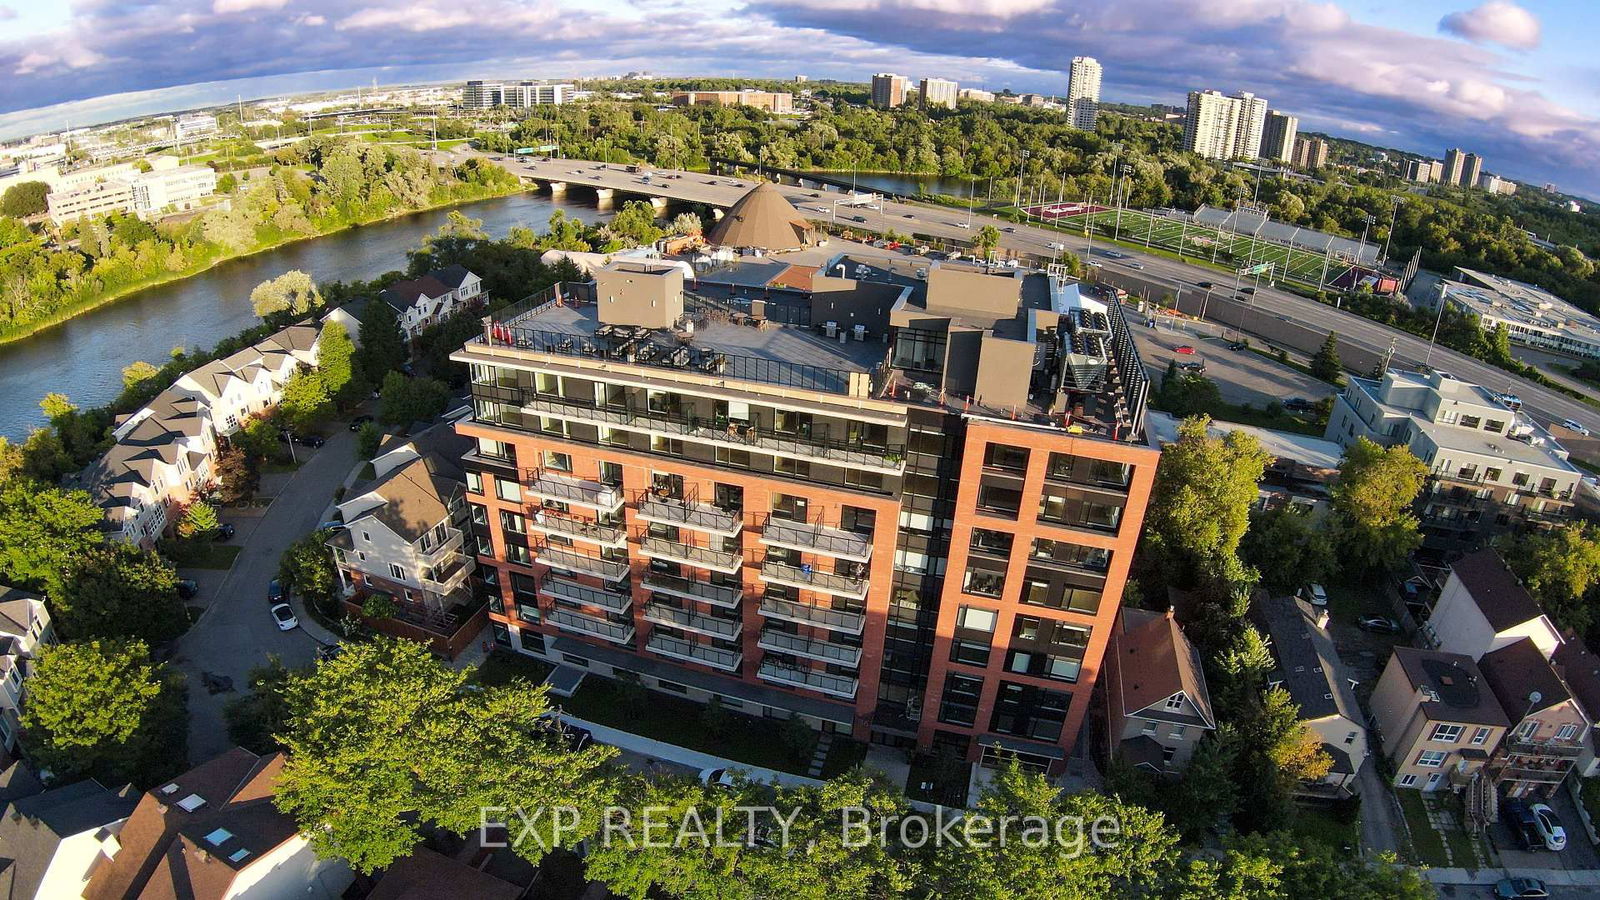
191, 803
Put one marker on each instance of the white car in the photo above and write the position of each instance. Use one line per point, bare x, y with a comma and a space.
1316, 594
1549, 827
284, 616
1575, 426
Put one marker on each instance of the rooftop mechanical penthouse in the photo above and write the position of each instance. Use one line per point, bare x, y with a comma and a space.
907, 515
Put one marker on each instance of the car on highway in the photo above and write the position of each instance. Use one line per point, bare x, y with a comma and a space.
1247, 291
1185, 349
1196, 366
1134, 265
284, 617
1315, 594
1521, 889
908, 216
1238, 345
1009, 229
1204, 284
1378, 624
858, 218
1549, 827
1575, 426
1113, 254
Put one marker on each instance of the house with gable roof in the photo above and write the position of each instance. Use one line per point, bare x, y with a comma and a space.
421, 302
1158, 707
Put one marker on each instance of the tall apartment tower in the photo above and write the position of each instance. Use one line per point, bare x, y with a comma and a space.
1278, 136
1250, 125
1310, 152
1422, 171
1211, 125
888, 90
1471, 170
939, 92
1083, 92
1455, 163
881, 523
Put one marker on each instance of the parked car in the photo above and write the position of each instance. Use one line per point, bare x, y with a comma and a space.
1299, 404
1315, 594
1185, 349
284, 616
1520, 889
1519, 817
1575, 426
1196, 366
225, 531
358, 421
1549, 827
1378, 624
1238, 345
328, 651
188, 589
716, 777
275, 592
310, 440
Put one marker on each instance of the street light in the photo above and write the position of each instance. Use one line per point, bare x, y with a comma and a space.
1020, 164
1394, 212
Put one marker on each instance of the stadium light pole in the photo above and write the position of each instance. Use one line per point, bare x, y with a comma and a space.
1394, 214
1020, 164
1366, 223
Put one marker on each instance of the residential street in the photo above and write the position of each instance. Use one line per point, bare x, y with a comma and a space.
236, 632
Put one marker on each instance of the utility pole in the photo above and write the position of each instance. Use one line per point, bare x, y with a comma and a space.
1438, 318
1366, 223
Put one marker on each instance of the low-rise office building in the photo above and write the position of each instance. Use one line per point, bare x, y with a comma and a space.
1531, 315
166, 187
772, 101
1492, 468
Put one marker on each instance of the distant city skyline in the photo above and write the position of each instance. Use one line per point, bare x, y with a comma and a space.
1416, 77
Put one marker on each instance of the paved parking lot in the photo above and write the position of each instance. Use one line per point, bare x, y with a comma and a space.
1243, 376
1580, 853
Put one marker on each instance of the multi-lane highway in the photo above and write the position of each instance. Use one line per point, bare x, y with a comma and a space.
722, 191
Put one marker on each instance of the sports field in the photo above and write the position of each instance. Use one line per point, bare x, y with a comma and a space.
1201, 241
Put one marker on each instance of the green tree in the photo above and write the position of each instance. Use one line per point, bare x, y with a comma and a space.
56, 406
636, 224
1144, 853
137, 372
383, 346
336, 364
1325, 362
368, 438
1372, 499
116, 591
1204, 489
306, 402
25, 199
383, 738
289, 295
686, 223
1560, 566
103, 710
10, 462
307, 569
42, 531
379, 606
45, 457
259, 438
199, 520
256, 719
987, 240
411, 399
1287, 548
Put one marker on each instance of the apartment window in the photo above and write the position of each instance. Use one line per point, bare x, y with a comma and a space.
1528, 729
976, 618
1447, 734
1491, 474
1150, 728
1547, 486
513, 522
475, 482
518, 554
792, 508
984, 583
494, 449
560, 462
921, 349
668, 446
1432, 759
1408, 780
1043, 665
959, 703
1175, 702
1567, 732
738, 459
546, 383
1006, 501
1030, 712
799, 468
508, 490
396, 571
972, 653
1520, 479
1480, 736
995, 543
1006, 458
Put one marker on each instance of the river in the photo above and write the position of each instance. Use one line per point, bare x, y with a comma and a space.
897, 183
84, 356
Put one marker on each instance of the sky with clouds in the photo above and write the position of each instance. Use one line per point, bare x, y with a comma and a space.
1517, 82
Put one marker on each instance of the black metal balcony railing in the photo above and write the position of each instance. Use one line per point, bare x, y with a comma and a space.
805, 613
673, 585
686, 514
733, 435
573, 592
576, 621
567, 560
700, 557
1561, 749
812, 679
566, 489
816, 538
824, 651
705, 654
553, 523
809, 578
664, 614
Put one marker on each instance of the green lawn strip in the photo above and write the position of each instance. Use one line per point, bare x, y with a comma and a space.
214, 556
1256, 417
502, 666
1326, 826
1427, 845
675, 720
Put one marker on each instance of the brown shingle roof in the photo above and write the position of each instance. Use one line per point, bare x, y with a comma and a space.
1156, 661
1455, 679
426, 875
1497, 591
1580, 668
762, 218
416, 497
1515, 672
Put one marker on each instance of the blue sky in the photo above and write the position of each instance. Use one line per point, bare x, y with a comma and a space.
1516, 81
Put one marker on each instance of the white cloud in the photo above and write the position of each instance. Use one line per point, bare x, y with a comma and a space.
1495, 22
7, 13
224, 7
409, 18
311, 21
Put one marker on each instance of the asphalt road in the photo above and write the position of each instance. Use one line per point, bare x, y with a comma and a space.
236, 632
1544, 404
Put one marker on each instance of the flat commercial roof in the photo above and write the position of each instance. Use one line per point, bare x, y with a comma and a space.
1310, 451
1522, 304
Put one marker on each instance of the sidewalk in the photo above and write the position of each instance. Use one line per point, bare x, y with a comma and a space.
1552, 877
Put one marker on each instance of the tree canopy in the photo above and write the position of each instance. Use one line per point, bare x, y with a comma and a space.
43, 530
1372, 499
116, 591
1204, 488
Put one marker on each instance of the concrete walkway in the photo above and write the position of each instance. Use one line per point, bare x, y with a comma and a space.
1552, 877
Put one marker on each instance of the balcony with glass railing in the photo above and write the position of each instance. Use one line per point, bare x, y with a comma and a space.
571, 620
547, 485
889, 459
664, 614
822, 651
812, 579
807, 614
809, 538
547, 522
581, 563
446, 578
438, 551
810, 679
582, 594
699, 557
688, 589
706, 655
685, 514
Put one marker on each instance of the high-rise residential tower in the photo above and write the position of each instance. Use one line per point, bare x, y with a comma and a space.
1083, 92
938, 92
1250, 125
888, 90
880, 522
1277, 138
1211, 125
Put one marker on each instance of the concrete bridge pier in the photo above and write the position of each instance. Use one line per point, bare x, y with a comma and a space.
558, 187
603, 193
660, 203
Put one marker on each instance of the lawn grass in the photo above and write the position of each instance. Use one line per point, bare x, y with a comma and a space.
680, 721
1427, 845
1327, 826
1255, 416
502, 666
214, 556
